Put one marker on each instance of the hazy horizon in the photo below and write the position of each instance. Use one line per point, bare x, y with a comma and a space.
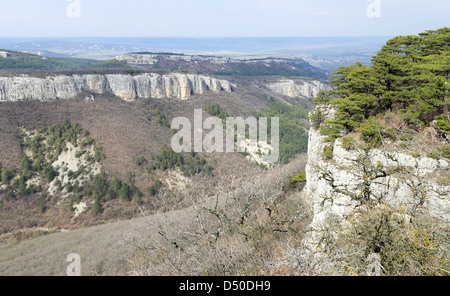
219, 19
105, 47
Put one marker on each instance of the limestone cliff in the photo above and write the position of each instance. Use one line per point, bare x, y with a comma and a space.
126, 87
297, 88
334, 186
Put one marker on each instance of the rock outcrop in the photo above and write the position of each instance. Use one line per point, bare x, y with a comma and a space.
298, 88
4, 54
334, 186
153, 58
126, 87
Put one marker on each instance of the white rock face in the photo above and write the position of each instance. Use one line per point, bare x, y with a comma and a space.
138, 59
411, 182
298, 88
258, 151
4, 54
126, 87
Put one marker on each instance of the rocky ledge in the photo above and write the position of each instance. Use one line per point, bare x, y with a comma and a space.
335, 186
126, 87
298, 88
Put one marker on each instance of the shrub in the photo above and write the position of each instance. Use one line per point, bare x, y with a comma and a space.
98, 153
70, 207
209, 170
49, 173
328, 152
161, 119
42, 204
152, 190
125, 192
406, 137
7, 175
416, 154
443, 151
76, 198
443, 123
301, 177
407, 243
97, 207
138, 197
316, 117
116, 185
139, 160
348, 143
80, 153
371, 132
214, 109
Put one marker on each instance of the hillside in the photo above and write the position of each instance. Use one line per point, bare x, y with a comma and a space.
91, 157
216, 65
10, 59
177, 240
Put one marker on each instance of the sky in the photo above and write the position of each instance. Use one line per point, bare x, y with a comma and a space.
220, 18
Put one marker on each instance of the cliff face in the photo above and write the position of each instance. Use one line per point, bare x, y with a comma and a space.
297, 88
334, 186
126, 87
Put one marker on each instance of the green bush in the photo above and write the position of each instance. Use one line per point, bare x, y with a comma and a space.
214, 109
348, 143
152, 190
406, 137
442, 151
316, 117
42, 204
328, 152
407, 243
138, 198
416, 154
161, 119
7, 175
443, 123
139, 160
97, 206
371, 132
98, 153
125, 192
301, 177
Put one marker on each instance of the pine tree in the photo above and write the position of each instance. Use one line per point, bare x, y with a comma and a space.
97, 207
42, 204
409, 76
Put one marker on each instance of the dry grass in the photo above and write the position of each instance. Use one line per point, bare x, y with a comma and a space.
124, 132
237, 231
148, 245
